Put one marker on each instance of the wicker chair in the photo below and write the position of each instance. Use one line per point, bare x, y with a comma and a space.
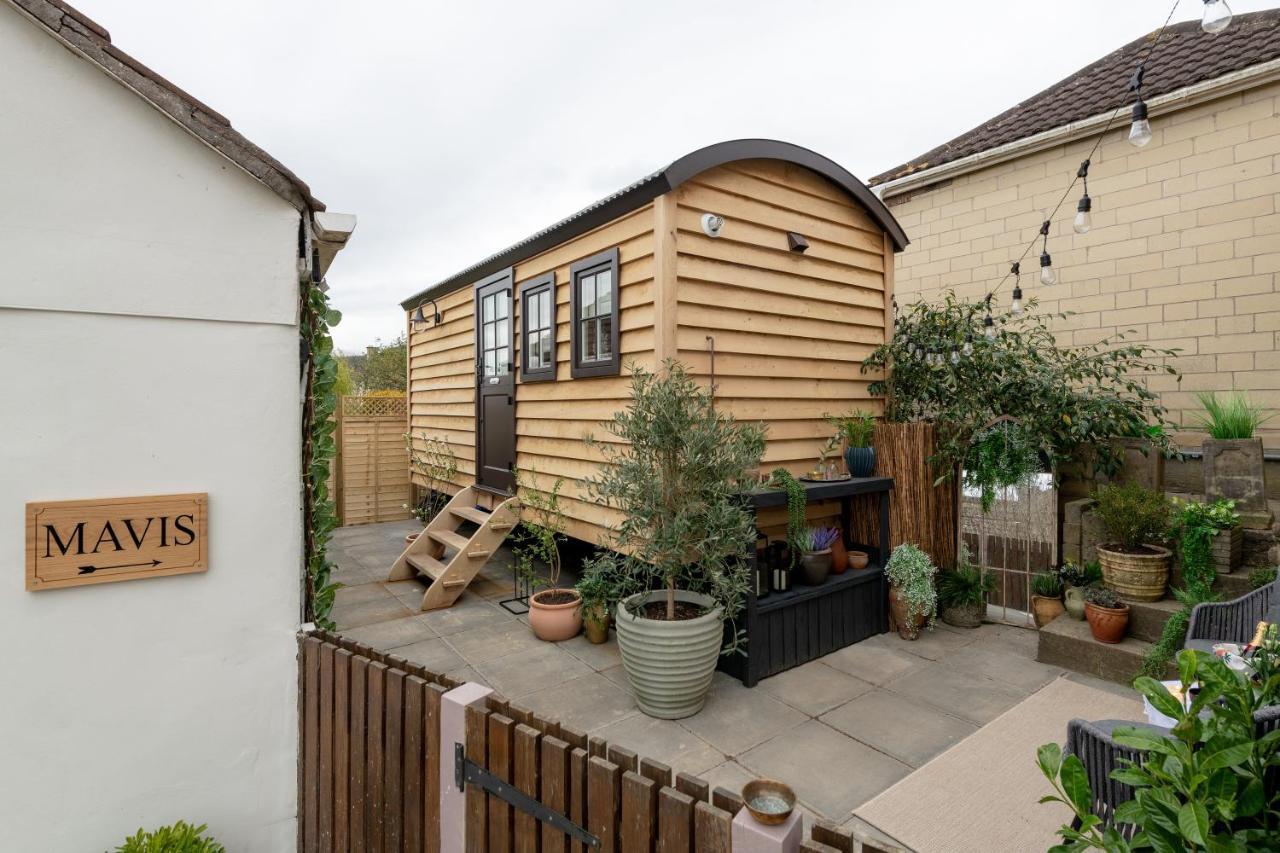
1232, 621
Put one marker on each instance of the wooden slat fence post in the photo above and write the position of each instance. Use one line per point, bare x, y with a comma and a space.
639, 813
675, 821
604, 795
310, 675
555, 790
527, 776
501, 759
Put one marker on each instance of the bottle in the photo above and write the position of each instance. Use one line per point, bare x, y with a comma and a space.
1258, 637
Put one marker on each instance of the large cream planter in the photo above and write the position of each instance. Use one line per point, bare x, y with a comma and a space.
1136, 577
669, 664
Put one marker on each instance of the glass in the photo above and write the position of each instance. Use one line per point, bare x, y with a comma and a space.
548, 318
533, 358
504, 331
604, 293
548, 349
588, 339
502, 298
532, 321
605, 326
489, 363
489, 342
486, 308
587, 296
503, 359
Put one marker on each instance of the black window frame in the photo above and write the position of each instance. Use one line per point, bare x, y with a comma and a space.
536, 287
608, 259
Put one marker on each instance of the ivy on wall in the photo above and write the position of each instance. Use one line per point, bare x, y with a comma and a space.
318, 449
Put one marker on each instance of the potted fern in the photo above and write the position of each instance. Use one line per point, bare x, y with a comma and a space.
1233, 462
913, 601
962, 594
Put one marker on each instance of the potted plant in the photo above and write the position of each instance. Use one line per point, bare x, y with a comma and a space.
859, 560
1108, 616
962, 594
913, 601
1233, 463
1213, 531
1046, 598
815, 554
433, 461
596, 591
555, 613
1075, 579
1001, 455
677, 477
855, 431
1136, 520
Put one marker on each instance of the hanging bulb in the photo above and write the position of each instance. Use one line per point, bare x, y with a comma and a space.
989, 328
1083, 223
1140, 131
1047, 275
1016, 304
967, 349
955, 356
1217, 16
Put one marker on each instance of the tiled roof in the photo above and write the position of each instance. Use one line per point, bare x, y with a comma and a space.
1185, 56
79, 32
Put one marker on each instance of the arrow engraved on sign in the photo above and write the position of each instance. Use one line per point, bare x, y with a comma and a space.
88, 570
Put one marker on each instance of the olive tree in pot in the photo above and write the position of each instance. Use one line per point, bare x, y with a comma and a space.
677, 478
913, 601
1134, 561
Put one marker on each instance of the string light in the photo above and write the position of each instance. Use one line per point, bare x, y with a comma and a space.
1047, 275
967, 349
989, 324
1217, 16
1016, 271
1140, 130
1083, 222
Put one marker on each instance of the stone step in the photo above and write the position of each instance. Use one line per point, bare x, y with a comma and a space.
1067, 643
1147, 618
1229, 586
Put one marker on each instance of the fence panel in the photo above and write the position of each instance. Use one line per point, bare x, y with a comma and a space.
372, 470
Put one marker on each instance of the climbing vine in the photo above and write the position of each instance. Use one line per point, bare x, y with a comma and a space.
797, 522
318, 449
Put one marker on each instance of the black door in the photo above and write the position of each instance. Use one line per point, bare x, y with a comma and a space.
495, 385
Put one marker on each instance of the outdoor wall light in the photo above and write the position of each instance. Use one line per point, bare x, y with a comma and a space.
1217, 16
711, 224
796, 242
420, 318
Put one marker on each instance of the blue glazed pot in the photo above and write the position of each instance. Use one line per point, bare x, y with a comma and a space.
860, 460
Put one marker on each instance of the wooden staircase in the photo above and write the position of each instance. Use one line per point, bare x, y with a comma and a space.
452, 559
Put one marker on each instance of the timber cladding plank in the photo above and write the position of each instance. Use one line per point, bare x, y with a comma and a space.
342, 660
431, 767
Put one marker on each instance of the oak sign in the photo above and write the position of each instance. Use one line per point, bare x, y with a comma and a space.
71, 543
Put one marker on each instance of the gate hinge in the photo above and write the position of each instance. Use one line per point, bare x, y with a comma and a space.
465, 771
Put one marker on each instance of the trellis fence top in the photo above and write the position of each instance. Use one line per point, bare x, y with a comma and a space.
365, 406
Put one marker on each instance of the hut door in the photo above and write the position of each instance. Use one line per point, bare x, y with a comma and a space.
495, 385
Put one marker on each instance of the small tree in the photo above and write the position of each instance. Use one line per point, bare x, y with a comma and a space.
678, 481
435, 461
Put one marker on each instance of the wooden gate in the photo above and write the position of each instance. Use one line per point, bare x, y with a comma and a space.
371, 470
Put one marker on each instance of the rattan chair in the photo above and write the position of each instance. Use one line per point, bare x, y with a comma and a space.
1233, 621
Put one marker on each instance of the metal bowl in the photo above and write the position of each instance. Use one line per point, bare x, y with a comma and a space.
769, 801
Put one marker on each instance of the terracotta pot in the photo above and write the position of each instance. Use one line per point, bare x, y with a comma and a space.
839, 556
555, 622
815, 567
859, 559
1106, 624
1136, 576
1073, 600
410, 537
595, 624
907, 629
1045, 610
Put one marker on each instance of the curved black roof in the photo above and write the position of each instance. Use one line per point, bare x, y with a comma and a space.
651, 186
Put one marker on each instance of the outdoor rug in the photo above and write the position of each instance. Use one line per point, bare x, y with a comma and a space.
981, 794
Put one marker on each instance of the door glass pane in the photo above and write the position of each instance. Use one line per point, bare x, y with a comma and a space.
504, 331
548, 348
604, 292
489, 363
587, 338
488, 336
504, 357
587, 296
606, 339
487, 304
502, 297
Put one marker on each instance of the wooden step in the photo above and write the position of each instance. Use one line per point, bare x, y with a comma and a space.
470, 513
450, 539
429, 566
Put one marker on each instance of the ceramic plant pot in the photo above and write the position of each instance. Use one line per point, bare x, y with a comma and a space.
815, 567
839, 556
861, 461
1138, 576
908, 629
1044, 610
1073, 600
595, 624
669, 664
859, 559
1106, 624
554, 620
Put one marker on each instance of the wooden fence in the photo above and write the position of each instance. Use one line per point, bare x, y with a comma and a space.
372, 468
371, 749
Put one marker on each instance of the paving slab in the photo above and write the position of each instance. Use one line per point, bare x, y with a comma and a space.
392, 633
598, 656
663, 740
1021, 673
910, 731
586, 704
542, 666
368, 612
830, 772
936, 644
470, 611
814, 688
348, 596
874, 660
434, 654
735, 719
492, 641
975, 698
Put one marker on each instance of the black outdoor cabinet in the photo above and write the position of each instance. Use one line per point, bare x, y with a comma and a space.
786, 629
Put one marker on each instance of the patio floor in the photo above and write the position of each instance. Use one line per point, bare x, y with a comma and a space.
840, 729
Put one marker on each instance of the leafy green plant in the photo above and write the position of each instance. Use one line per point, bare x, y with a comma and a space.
1000, 456
819, 539
536, 541
911, 571
434, 460
1046, 585
1100, 596
855, 429
596, 586
1067, 398
181, 837
967, 586
1133, 516
678, 477
1074, 574
320, 401
1229, 416
797, 500
1202, 786
1262, 576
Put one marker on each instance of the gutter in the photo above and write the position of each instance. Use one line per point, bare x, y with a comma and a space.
1179, 99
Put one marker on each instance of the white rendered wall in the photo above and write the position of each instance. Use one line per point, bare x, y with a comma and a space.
143, 702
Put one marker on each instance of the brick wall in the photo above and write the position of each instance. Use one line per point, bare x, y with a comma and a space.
1184, 249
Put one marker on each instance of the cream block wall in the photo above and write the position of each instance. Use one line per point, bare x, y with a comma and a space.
1184, 249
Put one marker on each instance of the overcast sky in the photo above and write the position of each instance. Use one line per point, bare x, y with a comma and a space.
453, 130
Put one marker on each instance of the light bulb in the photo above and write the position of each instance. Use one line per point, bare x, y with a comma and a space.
968, 345
1140, 131
1083, 222
989, 328
1047, 276
1217, 16
1016, 304
955, 356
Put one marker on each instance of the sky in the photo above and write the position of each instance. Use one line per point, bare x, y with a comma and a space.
452, 130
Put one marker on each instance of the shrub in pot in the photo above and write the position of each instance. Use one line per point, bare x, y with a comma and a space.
1107, 615
815, 554
676, 477
180, 837
1136, 521
855, 431
595, 587
962, 594
1046, 598
555, 613
913, 601
1075, 579
1233, 460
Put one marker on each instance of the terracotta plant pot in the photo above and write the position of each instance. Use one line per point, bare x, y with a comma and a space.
815, 567
1045, 610
859, 559
839, 556
1137, 576
1106, 624
908, 629
554, 620
596, 625
409, 538
1073, 600
861, 461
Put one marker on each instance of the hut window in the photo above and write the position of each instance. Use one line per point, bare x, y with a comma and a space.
538, 328
593, 335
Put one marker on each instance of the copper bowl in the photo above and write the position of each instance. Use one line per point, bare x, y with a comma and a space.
770, 802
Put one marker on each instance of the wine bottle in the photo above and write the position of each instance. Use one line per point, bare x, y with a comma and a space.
1258, 637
